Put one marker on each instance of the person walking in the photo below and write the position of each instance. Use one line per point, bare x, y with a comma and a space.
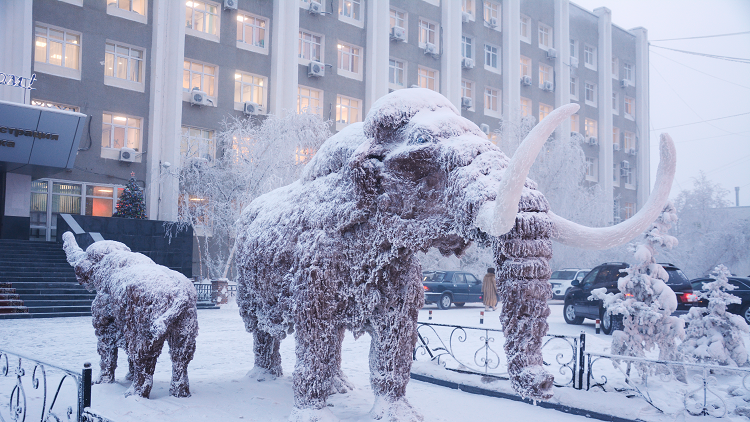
489, 290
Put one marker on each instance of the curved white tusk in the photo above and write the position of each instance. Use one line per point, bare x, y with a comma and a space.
500, 218
574, 234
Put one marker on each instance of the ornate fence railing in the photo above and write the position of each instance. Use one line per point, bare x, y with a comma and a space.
30, 389
204, 292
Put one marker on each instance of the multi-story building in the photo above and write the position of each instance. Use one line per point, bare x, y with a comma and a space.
156, 76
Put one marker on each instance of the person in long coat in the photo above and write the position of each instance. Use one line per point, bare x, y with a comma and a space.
489, 290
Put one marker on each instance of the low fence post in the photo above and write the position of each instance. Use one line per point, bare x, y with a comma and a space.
581, 351
85, 390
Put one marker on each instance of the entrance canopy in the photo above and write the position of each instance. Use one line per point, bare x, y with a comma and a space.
38, 141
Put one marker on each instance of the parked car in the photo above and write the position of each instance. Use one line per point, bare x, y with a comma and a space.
561, 280
446, 287
742, 291
578, 307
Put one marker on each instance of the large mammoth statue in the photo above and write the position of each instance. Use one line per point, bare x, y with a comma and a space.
336, 250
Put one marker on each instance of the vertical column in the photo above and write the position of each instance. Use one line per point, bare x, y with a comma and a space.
643, 136
165, 115
378, 45
17, 32
450, 57
604, 103
511, 60
562, 64
284, 48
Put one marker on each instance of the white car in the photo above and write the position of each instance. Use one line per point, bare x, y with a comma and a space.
561, 280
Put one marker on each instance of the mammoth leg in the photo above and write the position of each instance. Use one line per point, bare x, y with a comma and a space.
316, 365
523, 260
267, 356
107, 336
339, 383
143, 377
181, 339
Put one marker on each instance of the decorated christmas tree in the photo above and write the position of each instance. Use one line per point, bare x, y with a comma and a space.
131, 204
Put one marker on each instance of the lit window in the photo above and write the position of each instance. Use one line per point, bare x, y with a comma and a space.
199, 76
251, 31
589, 56
615, 68
467, 47
591, 169
347, 111
119, 131
492, 58
349, 59
57, 47
629, 107
545, 74
136, 6
525, 107
628, 141
467, 91
629, 74
525, 29
590, 93
351, 9
396, 73
573, 48
123, 62
615, 137
310, 46
249, 88
629, 209
58, 106
545, 37
574, 88
492, 101
398, 18
427, 33
544, 111
197, 143
574, 124
467, 6
525, 66
100, 199
427, 78
591, 128
615, 103
492, 15
202, 17
308, 100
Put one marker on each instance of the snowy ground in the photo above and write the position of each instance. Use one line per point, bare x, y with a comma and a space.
222, 392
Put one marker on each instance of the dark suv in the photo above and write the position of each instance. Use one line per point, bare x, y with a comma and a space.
578, 306
742, 291
446, 287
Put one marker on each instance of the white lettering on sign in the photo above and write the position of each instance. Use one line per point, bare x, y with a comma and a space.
17, 81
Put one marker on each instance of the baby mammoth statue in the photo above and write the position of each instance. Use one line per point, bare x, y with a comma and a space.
138, 305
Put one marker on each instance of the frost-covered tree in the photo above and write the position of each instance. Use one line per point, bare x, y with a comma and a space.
645, 301
253, 157
713, 334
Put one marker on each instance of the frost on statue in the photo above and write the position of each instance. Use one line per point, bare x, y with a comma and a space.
336, 250
138, 306
715, 335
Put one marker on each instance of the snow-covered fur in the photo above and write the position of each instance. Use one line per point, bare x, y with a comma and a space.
138, 306
713, 334
337, 250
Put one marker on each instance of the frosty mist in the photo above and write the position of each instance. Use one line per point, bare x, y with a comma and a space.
336, 250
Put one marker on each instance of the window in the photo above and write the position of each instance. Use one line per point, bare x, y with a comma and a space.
427, 78
347, 111
310, 46
545, 37
467, 91
492, 15
590, 93
50, 104
396, 73
629, 209
492, 61
467, 6
629, 74
574, 49
249, 88
629, 108
544, 111
57, 51
119, 131
123, 63
467, 47
545, 74
398, 18
201, 19
616, 178
574, 88
525, 66
591, 128
349, 60
627, 174
351, 11
615, 68
574, 124
305, 4
197, 143
199, 76
525, 107
308, 100
628, 141
591, 169
427, 33
251, 33
615, 103
492, 102
589, 56
525, 29
615, 136
128, 9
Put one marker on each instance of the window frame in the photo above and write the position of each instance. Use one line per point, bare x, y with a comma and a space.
186, 93
629, 73
471, 5
629, 104
592, 169
589, 49
424, 28
629, 209
528, 66
615, 103
339, 106
244, 45
189, 30
300, 42
545, 74
392, 70
590, 128
210, 146
469, 87
575, 123
574, 49
487, 10
467, 41
498, 96
525, 24
615, 173
110, 152
615, 68
340, 46
318, 108
112, 80
359, 21
54, 69
542, 33
498, 59
526, 106
113, 9
628, 140
615, 137
393, 16
594, 91
435, 77
239, 105
574, 88
544, 109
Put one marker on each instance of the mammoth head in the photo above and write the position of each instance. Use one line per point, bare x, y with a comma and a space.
85, 262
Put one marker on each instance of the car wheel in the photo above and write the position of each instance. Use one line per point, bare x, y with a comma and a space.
445, 301
607, 322
569, 313
460, 304
745, 313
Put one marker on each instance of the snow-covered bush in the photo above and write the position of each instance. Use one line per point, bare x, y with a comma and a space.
713, 334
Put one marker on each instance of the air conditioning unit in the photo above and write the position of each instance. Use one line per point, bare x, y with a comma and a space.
252, 109
551, 53
467, 63
415, 86
430, 49
574, 62
230, 4
493, 22
485, 128
624, 83
631, 151
526, 80
315, 8
398, 34
465, 16
466, 102
127, 155
547, 86
316, 69
592, 140
200, 98
616, 147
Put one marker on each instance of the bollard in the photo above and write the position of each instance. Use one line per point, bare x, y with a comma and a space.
481, 317
85, 389
430, 316
598, 326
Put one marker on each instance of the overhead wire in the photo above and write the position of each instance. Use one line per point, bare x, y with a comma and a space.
699, 71
703, 36
711, 56
704, 121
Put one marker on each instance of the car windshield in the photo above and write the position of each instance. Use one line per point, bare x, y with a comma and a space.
698, 284
434, 277
563, 275
677, 278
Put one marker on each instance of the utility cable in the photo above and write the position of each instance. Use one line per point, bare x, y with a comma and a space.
704, 121
711, 56
707, 74
704, 36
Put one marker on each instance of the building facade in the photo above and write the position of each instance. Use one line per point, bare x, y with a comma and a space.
157, 77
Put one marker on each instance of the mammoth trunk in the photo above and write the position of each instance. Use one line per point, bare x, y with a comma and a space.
522, 257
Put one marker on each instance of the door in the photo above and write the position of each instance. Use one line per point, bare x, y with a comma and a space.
607, 279
460, 288
584, 307
475, 288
